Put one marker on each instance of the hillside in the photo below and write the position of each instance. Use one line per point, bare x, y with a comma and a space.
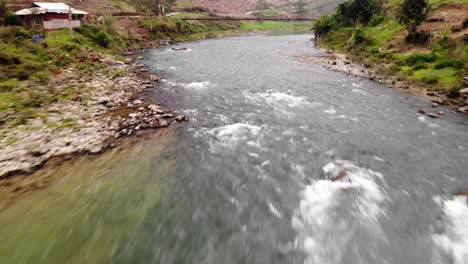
277, 6
312, 7
436, 60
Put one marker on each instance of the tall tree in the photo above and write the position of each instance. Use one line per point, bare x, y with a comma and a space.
412, 13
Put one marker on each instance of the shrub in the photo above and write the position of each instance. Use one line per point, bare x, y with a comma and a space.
430, 79
376, 20
89, 31
23, 75
420, 58
12, 19
22, 34
324, 25
449, 63
9, 59
419, 66
454, 92
8, 85
102, 39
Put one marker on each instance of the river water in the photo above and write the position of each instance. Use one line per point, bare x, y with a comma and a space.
247, 179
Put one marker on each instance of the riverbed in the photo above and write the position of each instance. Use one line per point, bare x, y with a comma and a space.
247, 180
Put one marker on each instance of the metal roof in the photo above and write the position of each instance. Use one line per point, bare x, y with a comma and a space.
42, 8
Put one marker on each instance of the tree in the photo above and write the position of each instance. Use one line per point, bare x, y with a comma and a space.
412, 13
356, 12
3, 11
154, 7
300, 7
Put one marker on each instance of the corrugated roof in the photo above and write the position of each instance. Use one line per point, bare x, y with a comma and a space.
42, 8
51, 6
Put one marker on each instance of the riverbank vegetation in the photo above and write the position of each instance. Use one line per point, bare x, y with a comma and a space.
423, 42
27, 65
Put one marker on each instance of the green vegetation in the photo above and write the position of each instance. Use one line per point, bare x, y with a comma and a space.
182, 30
27, 66
411, 14
375, 40
269, 25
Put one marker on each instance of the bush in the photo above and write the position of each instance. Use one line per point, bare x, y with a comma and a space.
376, 20
420, 58
12, 19
430, 79
419, 66
454, 92
449, 63
23, 75
22, 34
324, 25
9, 59
102, 39
8, 85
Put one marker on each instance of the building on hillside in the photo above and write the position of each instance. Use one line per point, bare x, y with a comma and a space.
51, 15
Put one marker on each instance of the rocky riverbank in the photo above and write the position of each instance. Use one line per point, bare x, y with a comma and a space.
113, 107
340, 63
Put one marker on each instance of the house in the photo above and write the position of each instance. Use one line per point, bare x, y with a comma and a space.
51, 15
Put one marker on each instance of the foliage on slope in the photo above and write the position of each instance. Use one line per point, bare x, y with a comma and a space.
438, 60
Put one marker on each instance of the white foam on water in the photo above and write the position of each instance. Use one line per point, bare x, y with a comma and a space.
320, 233
199, 85
330, 111
378, 159
359, 91
275, 98
454, 239
174, 68
171, 83
274, 211
230, 135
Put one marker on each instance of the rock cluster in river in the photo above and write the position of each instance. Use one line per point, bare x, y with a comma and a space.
113, 110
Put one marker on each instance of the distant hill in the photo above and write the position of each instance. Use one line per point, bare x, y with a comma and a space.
312, 7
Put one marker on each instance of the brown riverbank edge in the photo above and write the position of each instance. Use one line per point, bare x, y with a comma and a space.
118, 106
338, 62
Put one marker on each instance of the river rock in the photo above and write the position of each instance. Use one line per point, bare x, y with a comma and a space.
435, 105
154, 78
164, 123
464, 93
463, 109
180, 118
438, 100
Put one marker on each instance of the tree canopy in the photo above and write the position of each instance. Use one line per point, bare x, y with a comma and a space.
412, 13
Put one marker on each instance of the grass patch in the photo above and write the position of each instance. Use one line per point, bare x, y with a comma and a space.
447, 77
269, 25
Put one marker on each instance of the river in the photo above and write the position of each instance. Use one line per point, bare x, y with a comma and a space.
247, 179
